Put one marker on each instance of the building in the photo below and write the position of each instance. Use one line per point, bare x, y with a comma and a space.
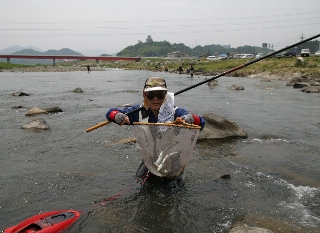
177, 54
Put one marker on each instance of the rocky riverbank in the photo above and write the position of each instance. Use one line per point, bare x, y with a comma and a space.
272, 75
300, 73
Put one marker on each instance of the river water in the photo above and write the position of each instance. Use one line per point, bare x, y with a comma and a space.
274, 172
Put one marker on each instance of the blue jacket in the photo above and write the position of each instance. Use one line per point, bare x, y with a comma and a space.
134, 117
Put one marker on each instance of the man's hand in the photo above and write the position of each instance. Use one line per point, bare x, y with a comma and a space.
188, 118
122, 119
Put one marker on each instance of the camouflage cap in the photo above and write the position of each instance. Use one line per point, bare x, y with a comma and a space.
155, 84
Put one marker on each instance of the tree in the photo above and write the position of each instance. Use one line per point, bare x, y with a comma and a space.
149, 39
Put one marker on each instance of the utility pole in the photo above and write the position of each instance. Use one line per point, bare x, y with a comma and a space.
302, 37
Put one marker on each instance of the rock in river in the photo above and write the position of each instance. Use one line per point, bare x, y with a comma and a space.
237, 88
38, 123
35, 111
78, 90
217, 127
54, 109
19, 93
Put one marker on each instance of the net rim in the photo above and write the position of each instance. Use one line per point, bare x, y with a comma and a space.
173, 124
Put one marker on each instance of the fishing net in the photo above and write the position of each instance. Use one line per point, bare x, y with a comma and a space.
166, 148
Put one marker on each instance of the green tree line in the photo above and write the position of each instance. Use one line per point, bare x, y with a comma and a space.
162, 48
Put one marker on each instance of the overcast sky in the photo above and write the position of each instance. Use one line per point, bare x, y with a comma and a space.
114, 25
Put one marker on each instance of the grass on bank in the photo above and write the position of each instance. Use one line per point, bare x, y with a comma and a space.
310, 66
8, 66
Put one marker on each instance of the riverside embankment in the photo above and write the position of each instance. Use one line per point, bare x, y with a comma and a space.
271, 68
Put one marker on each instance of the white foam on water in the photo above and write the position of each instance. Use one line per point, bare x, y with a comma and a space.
297, 207
270, 140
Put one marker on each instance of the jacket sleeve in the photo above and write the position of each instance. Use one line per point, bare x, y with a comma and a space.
198, 120
133, 117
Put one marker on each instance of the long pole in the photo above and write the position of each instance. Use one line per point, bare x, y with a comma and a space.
217, 76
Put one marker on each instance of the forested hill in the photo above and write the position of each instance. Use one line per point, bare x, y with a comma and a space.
64, 51
161, 49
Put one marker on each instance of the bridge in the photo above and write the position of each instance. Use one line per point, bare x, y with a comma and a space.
54, 57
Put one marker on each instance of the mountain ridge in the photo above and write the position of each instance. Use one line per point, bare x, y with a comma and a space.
25, 50
64, 51
51, 52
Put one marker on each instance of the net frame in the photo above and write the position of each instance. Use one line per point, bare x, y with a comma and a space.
174, 124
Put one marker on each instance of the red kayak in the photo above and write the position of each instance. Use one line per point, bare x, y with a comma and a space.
49, 222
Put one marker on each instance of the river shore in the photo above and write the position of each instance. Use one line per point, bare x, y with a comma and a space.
271, 68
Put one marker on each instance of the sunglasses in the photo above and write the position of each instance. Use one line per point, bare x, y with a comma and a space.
159, 94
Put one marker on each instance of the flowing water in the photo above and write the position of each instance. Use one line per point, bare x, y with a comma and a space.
274, 173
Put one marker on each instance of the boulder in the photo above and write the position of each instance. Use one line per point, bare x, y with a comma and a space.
213, 83
35, 111
246, 229
78, 90
17, 107
54, 109
313, 89
19, 93
38, 123
217, 127
301, 85
235, 87
294, 80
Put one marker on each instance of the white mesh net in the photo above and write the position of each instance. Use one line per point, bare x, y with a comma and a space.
166, 150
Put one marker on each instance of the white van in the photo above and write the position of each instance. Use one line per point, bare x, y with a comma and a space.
259, 55
305, 53
247, 56
211, 58
237, 55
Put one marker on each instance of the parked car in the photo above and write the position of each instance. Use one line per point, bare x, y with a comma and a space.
259, 55
317, 53
285, 54
270, 56
211, 58
237, 55
247, 56
305, 53
222, 57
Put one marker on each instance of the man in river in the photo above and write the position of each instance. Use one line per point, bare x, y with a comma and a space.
88, 68
154, 95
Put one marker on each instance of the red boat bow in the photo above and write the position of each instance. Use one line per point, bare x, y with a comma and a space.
49, 222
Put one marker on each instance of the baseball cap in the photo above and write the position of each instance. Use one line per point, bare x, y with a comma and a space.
155, 84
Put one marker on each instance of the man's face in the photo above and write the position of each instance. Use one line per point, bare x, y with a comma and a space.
155, 99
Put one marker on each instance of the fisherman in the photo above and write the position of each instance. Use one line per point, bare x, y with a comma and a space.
88, 68
191, 68
154, 95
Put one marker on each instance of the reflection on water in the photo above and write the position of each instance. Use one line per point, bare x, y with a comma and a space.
274, 172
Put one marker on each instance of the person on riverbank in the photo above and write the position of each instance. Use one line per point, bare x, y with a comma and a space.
88, 68
155, 93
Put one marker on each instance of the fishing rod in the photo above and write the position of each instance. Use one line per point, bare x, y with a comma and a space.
215, 77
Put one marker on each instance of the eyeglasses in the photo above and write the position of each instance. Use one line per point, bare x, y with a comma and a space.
158, 94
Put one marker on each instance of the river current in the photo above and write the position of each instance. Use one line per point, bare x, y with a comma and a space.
274, 173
